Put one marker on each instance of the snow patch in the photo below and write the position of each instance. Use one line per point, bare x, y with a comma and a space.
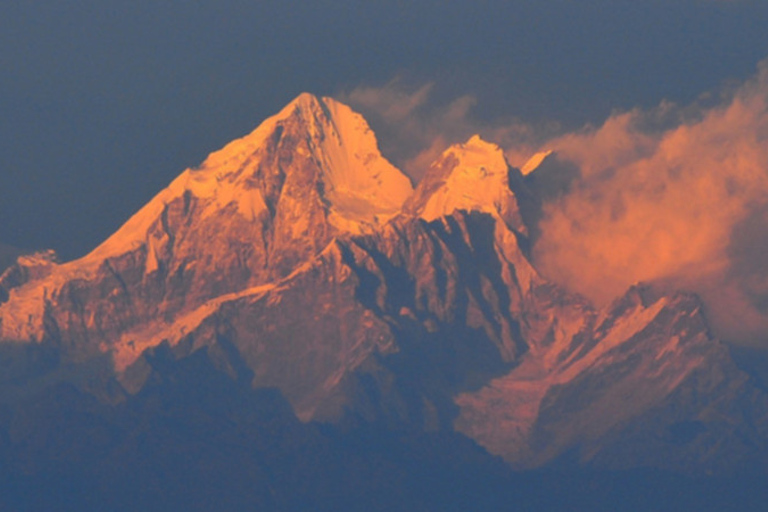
361, 184
362, 189
476, 178
477, 182
132, 343
624, 328
534, 162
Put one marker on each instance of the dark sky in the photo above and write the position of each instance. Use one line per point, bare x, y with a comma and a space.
102, 103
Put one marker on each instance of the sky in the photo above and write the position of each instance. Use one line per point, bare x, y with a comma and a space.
103, 103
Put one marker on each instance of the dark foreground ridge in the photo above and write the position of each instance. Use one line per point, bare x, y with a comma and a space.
195, 439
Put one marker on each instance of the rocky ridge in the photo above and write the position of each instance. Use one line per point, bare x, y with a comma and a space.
299, 259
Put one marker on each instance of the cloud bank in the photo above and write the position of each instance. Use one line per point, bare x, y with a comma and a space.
685, 207
676, 196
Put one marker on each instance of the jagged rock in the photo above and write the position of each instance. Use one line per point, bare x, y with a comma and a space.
298, 258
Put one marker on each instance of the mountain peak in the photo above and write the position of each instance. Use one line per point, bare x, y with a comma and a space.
246, 268
479, 154
318, 150
474, 175
305, 100
359, 186
263, 204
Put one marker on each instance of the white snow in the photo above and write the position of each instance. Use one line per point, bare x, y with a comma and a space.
623, 329
132, 343
534, 162
37, 259
360, 183
479, 181
361, 186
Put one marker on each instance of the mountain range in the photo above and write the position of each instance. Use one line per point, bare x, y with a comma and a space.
295, 306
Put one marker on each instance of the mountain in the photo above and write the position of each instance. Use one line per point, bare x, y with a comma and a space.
250, 214
298, 261
473, 176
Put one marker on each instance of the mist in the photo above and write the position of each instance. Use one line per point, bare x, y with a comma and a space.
681, 206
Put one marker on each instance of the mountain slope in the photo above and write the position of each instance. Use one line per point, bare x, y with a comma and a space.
251, 213
626, 365
471, 176
298, 259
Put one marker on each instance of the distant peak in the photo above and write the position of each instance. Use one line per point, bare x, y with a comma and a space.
305, 100
476, 139
478, 143
342, 160
316, 161
322, 108
469, 176
306, 108
310, 107
486, 158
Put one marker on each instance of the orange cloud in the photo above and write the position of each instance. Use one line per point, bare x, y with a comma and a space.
666, 207
676, 196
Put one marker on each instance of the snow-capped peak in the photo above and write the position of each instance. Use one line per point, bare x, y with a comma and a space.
479, 157
308, 173
469, 176
359, 186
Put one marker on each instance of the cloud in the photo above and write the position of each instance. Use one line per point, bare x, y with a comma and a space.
685, 207
676, 195
391, 102
414, 127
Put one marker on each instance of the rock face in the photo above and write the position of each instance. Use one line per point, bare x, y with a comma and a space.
594, 379
299, 259
473, 176
250, 214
